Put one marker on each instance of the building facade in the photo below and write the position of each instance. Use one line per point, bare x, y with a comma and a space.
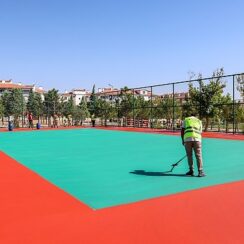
8, 85
77, 95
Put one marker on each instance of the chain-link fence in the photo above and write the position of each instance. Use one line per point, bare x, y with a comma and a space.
218, 101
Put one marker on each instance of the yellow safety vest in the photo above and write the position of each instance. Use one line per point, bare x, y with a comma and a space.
192, 128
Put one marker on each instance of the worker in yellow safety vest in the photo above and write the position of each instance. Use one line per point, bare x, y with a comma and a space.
192, 140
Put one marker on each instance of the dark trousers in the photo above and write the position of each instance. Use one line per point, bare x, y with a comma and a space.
195, 146
30, 123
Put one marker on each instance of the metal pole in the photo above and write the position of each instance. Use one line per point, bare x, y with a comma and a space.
200, 112
233, 108
134, 124
151, 110
173, 120
117, 107
22, 112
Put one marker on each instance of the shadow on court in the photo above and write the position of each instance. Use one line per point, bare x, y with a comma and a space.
148, 173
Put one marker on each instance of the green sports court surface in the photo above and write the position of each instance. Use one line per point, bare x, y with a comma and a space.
107, 168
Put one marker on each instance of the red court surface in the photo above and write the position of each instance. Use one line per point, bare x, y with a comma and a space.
35, 211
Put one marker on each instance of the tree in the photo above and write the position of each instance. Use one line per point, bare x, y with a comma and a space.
240, 84
93, 102
188, 107
142, 108
76, 115
167, 108
239, 116
1, 108
240, 106
157, 110
31, 102
14, 104
223, 111
205, 96
69, 108
51, 102
35, 104
6, 103
39, 107
126, 103
84, 113
61, 107
104, 110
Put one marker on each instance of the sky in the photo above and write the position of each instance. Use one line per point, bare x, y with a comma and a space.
66, 44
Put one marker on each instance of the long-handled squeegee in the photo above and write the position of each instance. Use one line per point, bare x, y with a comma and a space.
175, 164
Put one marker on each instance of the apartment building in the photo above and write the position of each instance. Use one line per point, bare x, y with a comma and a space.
77, 95
7, 85
111, 94
108, 94
178, 96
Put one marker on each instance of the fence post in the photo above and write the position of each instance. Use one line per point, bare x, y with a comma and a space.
151, 125
117, 106
233, 108
133, 107
23, 113
200, 112
173, 121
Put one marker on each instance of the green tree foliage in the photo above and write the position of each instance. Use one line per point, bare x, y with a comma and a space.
61, 106
51, 102
84, 113
103, 110
69, 108
157, 110
35, 104
31, 102
239, 116
6, 103
240, 84
206, 95
223, 111
166, 109
126, 103
1, 107
166, 106
93, 102
77, 115
14, 104
187, 107
39, 106
142, 108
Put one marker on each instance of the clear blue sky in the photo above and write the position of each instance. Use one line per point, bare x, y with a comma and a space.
77, 43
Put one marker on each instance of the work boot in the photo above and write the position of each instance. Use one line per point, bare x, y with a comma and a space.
190, 172
201, 173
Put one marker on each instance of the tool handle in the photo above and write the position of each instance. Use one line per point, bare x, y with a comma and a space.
175, 164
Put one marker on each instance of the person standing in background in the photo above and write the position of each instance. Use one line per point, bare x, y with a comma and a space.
30, 120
